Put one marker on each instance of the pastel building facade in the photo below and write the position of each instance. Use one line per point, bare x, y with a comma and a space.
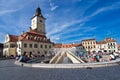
89, 45
10, 45
111, 45
108, 45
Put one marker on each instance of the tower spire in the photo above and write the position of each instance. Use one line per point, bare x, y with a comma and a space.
38, 12
38, 22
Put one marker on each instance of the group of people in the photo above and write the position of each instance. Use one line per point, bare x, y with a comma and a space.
98, 57
113, 56
29, 56
24, 57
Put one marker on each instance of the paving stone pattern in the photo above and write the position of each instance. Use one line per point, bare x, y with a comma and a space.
9, 71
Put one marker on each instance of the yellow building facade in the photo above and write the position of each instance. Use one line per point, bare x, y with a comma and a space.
89, 45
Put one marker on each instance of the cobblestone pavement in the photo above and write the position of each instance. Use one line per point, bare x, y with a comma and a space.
9, 71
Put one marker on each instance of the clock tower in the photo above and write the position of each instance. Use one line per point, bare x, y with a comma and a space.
38, 22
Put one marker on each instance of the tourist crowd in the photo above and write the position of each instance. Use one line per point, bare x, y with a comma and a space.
98, 57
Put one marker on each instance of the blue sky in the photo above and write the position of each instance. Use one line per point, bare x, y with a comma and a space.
68, 21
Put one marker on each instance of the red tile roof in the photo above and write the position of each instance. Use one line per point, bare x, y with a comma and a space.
66, 45
106, 40
13, 38
88, 39
76, 45
110, 40
32, 35
101, 42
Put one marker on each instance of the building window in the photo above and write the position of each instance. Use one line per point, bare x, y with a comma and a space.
30, 45
35, 38
12, 45
35, 45
19, 50
31, 37
28, 37
38, 39
50, 46
25, 45
41, 46
18, 45
40, 20
109, 50
114, 47
113, 43
45, 46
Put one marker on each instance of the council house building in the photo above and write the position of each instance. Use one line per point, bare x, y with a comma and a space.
33, 41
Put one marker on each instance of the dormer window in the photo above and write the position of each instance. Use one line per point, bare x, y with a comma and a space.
41, 38
28, 37
35, 38
38, 39
44, 39
31, 37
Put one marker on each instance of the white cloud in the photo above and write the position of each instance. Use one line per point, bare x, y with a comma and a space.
53, 6
58, 28
55, 38
84, 29
103, 9
72, 36
89, 37
10, 22
4, 12
88, 29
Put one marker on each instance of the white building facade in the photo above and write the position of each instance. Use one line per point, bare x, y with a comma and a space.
108, 45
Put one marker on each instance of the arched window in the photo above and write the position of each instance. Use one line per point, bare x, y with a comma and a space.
38, 38
31, 37
44, 39
28, 37
35, 38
